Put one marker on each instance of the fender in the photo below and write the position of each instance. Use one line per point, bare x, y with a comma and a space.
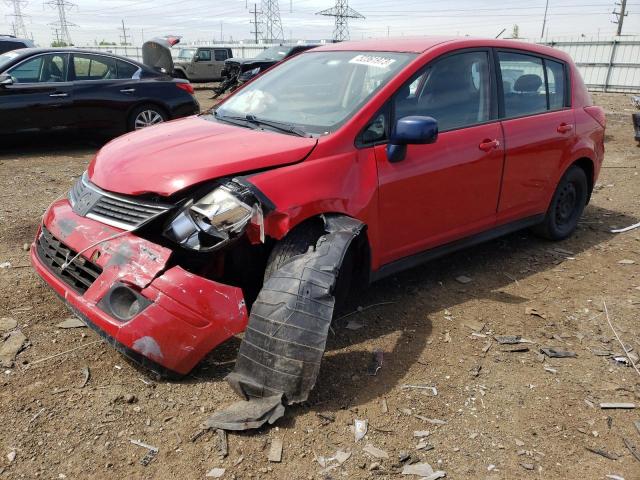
344, 183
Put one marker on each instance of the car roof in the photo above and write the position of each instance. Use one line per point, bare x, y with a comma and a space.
11, 38
26, 52
423, 44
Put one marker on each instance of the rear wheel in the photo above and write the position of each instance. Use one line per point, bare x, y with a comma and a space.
566, 206
146, 116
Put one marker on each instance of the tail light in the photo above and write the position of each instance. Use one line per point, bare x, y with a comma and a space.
187, 87
597, 114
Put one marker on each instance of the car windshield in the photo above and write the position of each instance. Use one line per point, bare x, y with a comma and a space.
186, 53
273, 53
316, 91
5, 58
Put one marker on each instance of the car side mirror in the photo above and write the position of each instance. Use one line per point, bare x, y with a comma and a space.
6, 80
414, 130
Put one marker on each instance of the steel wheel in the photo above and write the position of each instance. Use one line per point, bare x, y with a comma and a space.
567, 203
146, 118
566, 206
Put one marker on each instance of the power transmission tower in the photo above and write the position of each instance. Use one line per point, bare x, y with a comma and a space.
620, 16
270, 19
343, 12
62, 25
19, 29
124, 38
256, 24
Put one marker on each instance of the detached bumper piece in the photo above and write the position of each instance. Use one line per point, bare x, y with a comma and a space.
289, 322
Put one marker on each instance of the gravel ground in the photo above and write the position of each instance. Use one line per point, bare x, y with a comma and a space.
508, 414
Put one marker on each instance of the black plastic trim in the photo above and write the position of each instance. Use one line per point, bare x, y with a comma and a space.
431, 254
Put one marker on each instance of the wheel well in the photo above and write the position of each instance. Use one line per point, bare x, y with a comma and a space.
360, 248
586, 164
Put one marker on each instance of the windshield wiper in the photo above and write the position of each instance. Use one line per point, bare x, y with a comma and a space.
249, 119
233, 120
282, 126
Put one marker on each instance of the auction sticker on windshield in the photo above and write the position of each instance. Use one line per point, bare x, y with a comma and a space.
372, 61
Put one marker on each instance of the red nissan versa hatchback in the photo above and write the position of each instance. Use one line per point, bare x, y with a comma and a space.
340, 166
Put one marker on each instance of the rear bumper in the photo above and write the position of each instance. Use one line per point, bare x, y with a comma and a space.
186, 316
186, 109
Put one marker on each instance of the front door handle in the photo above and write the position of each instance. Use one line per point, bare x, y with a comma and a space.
564, 128
488, 144
59, 95
128, 90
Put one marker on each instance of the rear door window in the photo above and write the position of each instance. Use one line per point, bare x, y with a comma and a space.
94, 67
126, 70
523, 84
221, 55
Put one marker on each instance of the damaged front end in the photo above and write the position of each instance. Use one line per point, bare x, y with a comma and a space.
150, 277
166, 282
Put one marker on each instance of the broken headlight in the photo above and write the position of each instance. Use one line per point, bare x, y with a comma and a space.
216, 219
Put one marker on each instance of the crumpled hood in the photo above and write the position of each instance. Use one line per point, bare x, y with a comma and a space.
169, 157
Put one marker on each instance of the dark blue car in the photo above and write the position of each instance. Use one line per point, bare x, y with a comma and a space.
68, 88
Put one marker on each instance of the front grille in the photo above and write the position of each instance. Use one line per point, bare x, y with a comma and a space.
79, 274
127, 213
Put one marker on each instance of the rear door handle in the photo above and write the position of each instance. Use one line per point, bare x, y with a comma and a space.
59, 95
488, 145
128, 90
564, 128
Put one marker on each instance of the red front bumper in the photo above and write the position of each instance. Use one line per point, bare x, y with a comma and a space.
188, 315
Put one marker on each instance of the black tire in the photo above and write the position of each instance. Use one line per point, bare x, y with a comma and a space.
566, 206
179, 74
133, 123
298, 242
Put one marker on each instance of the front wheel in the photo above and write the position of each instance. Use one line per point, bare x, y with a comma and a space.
146, 116
566, 206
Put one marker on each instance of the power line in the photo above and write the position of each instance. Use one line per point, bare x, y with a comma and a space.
19, 29
342, 12
620, 16
270, 19
62, 25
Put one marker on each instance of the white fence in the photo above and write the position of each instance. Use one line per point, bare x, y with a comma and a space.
611, 65
607, 65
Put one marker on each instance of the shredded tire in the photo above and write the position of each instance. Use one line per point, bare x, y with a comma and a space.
287, 332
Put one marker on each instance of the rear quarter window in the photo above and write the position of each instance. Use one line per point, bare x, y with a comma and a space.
556, 78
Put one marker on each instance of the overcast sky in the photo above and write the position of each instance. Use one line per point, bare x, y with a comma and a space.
203, 19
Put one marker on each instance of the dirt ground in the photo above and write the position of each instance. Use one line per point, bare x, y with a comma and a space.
509, 415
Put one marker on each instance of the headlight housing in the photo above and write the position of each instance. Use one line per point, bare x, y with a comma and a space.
253, 72
216, 219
